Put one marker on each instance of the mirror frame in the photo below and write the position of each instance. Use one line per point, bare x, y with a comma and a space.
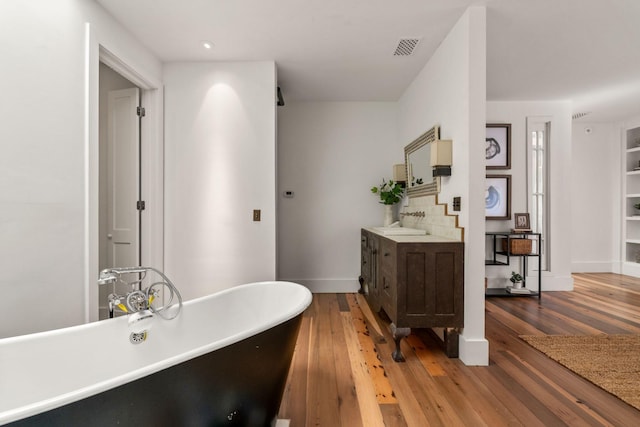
428, 188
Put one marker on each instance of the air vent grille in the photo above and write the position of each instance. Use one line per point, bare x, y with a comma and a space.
577, 116
406, 47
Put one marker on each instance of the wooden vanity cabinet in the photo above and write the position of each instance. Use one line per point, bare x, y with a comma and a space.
418, 284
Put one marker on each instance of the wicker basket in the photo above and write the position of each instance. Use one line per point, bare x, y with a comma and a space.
518, 246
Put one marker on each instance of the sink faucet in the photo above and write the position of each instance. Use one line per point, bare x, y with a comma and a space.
139, 299
420, 214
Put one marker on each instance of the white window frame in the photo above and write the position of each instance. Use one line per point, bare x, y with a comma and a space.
540, 173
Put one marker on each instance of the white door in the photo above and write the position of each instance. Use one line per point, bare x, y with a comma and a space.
123, 177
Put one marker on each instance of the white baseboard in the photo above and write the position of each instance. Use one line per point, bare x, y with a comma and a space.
473, 352
593, 267
557, 283
631, 269
323, 286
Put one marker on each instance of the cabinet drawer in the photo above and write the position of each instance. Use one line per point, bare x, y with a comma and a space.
387, 255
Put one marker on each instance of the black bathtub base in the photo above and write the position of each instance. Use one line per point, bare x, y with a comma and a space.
239, 385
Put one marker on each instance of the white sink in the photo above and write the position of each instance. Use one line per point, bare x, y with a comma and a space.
400, 231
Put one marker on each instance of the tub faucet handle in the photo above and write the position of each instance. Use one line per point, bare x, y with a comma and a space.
107, 276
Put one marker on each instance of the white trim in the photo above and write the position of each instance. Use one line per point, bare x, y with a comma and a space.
594, 267
556, 283
90, 178
328, 286
630, 269
115, 63
473, 352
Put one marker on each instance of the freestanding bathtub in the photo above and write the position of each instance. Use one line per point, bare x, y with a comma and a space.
223, 361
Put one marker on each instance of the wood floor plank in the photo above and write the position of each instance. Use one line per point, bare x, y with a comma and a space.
426, 357
384, 391
364, 385
342, 343
594, 319
323, 406
349, 401
588, 416
372, 322
294, 404
392, 415
558, 407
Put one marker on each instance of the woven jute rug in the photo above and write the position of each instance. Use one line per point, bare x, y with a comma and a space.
611, 362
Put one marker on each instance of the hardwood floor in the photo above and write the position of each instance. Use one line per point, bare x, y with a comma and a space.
342, 373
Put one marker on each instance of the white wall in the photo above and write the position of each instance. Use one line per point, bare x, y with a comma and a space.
220, 123
43, 138
451, 91
330, 154
596, 197
560, 185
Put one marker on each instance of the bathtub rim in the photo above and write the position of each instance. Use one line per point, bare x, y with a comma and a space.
25, 411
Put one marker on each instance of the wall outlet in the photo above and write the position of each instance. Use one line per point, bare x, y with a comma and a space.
456, 204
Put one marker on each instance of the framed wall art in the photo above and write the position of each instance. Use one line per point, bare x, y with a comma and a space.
497, 197
498, 146
521, 221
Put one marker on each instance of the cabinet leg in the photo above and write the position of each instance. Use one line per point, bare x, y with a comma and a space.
398, 334
451, 341
361, 281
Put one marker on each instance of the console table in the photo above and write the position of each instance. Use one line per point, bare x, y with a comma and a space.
502, 256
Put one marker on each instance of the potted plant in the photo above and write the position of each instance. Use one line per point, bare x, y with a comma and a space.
390, 193
516, 279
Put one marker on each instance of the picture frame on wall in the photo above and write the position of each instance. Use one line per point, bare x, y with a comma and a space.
497, 197
498, 146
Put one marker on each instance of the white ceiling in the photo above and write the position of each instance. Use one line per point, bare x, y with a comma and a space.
587, 51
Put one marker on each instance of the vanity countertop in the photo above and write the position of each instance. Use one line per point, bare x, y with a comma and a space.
428, 238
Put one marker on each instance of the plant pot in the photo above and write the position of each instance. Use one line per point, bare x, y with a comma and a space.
388, 215
517, 285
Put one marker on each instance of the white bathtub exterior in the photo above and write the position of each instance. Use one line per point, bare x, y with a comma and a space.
43, 371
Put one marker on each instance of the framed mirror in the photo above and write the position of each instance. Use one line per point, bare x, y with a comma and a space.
417, 156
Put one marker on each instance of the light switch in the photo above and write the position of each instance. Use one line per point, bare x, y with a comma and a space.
256, 214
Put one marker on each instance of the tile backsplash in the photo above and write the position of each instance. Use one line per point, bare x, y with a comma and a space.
435, 219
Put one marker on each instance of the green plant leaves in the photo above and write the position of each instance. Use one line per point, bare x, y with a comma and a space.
390, 192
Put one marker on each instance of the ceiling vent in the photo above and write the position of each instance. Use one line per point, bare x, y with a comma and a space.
406, 47
577, 116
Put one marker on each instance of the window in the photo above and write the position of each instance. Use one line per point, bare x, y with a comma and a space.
538, 131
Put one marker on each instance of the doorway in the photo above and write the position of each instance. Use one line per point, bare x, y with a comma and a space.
119, 216
150, 170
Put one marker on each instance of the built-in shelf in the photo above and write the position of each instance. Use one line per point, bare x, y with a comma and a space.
631, 196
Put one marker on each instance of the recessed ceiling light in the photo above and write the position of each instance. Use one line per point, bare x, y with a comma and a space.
207, 44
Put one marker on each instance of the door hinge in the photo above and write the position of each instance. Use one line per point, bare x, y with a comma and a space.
140, 205
141, 111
